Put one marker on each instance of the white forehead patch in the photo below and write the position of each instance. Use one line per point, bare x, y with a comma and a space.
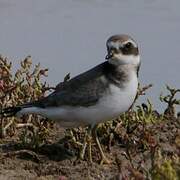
113, 44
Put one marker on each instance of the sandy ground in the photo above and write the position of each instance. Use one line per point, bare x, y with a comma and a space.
54, 160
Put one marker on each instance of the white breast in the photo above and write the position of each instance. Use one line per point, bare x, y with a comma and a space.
116, 101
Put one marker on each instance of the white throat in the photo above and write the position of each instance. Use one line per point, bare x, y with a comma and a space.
120, 59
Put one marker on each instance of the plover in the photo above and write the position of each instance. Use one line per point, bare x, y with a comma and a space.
95, 96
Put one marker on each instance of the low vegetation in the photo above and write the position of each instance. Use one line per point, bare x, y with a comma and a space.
142, 143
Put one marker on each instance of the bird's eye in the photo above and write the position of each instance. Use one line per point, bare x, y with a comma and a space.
127, 45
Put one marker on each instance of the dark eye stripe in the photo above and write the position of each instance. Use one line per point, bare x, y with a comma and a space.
126, 49
130, 49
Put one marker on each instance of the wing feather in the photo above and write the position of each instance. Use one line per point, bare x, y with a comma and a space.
82, 90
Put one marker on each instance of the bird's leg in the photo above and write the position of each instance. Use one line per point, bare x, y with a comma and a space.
87, 141
103, 157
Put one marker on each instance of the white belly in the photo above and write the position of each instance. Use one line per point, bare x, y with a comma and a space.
110, 106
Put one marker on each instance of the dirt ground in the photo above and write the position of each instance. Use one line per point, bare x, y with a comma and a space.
55, 160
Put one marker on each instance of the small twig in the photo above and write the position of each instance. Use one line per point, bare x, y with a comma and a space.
21, 125
141, 92
9, 124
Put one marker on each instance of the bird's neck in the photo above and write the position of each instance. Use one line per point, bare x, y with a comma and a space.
122, 74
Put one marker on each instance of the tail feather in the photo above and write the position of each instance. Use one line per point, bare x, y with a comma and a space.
10, 111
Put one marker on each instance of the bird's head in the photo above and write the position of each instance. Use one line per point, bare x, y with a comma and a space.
122, 49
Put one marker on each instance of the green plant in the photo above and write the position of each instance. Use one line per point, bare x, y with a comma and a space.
23, 86
171, 100
164, 168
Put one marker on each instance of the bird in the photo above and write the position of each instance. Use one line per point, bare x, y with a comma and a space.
92, 97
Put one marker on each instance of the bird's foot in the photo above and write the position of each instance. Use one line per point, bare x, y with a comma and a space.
105, 160
83, 151
87, 143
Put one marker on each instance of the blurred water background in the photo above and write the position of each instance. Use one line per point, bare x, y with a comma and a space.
70, 35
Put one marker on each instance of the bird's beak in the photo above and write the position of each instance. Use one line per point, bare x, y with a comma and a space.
109, 55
